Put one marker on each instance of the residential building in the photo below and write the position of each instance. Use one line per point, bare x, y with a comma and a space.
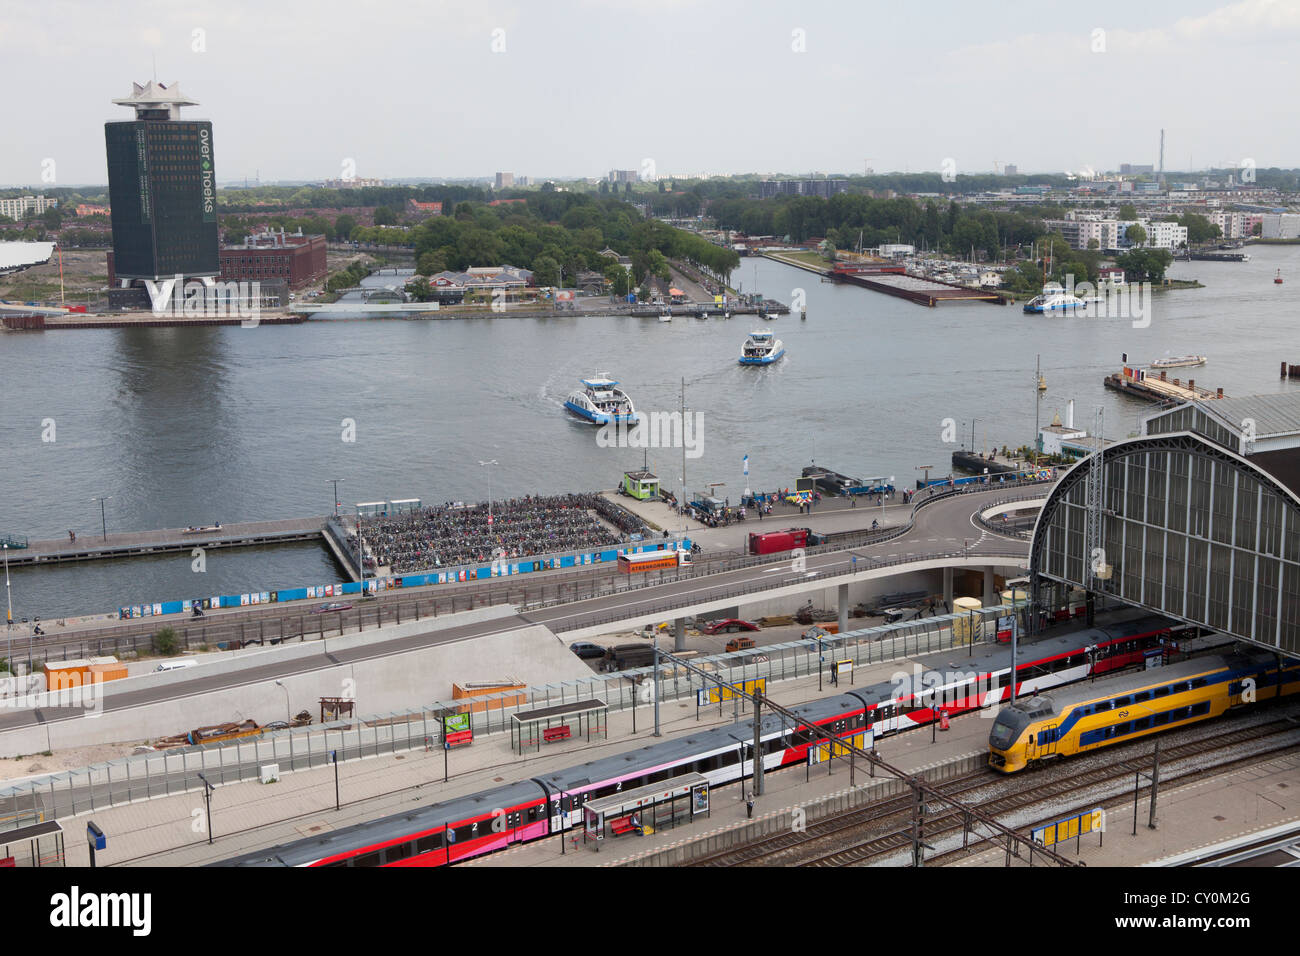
91, 209
416, 208
504, 181
1010, 170
623, 176
1129, 169
353, 183
825, 188
1080, 233
17, 207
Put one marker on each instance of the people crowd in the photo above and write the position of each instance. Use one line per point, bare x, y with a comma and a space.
454, 534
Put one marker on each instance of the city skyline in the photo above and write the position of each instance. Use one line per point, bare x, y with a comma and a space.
553, 93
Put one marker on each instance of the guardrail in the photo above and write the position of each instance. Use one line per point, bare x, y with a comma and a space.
159, 774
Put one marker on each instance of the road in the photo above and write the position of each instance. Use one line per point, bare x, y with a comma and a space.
944, 528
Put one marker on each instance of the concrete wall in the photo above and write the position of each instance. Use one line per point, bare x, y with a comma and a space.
395, 682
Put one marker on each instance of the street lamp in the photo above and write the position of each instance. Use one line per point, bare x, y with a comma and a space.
280, 684
9, 618
207, 801
103, 521
335, 482
488, 465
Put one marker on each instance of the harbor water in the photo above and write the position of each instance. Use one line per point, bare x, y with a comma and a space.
199, 425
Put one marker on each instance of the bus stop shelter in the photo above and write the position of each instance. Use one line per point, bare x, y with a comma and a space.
646, 809
532, 728
42, 843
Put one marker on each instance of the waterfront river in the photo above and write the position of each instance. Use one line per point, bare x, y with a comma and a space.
193, 426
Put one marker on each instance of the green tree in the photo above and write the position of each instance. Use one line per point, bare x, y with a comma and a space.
344, 225
431, 263
546, 271
1136, 235
1144, 264
385, 216
1128, 212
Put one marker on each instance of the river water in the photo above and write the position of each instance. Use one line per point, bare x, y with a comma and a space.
193, 426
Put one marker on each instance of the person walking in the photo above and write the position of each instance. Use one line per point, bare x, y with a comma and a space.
749, 806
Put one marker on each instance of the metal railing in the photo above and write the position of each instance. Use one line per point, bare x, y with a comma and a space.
167, 773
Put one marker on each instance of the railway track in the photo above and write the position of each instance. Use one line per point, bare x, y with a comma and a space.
875, 833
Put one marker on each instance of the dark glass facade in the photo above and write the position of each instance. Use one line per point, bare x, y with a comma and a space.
162, 185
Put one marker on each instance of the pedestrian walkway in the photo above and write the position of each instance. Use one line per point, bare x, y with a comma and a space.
93, 544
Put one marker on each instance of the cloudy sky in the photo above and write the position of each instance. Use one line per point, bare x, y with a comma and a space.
567, 88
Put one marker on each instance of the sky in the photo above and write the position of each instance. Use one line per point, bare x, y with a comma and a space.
573, 88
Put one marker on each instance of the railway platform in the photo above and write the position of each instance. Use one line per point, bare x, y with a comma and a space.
250, 815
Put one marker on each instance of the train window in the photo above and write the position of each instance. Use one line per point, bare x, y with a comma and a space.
532, 813
1141, 696
1162, 691
366, 859
1200, 682
1199, 710
399, 852
1142, 723
1104, 705
427, 844
1123, 701
1159, 719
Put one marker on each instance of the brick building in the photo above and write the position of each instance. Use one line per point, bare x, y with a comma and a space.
296, 260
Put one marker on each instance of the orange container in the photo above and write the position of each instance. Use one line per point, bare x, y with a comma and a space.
486, 688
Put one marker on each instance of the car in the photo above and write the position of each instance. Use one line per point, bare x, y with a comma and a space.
729, 624
586, 650
336, 606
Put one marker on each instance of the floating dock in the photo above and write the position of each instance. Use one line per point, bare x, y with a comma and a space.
131, 544
1140, 383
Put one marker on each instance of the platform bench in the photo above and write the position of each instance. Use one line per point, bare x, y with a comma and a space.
563, 732
622, 825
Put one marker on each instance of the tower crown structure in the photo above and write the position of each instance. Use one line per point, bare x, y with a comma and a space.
156, 101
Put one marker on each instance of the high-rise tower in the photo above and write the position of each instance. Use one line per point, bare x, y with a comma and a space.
162, 185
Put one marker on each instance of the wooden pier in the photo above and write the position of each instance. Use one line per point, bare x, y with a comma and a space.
1140, 384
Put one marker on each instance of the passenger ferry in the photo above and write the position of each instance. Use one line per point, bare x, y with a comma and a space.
761, 348
600, 401
1179, 361
1055, 300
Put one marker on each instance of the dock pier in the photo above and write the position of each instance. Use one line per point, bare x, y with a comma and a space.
131, 544
1138, 383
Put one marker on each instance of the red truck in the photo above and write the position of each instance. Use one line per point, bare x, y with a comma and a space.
774, 541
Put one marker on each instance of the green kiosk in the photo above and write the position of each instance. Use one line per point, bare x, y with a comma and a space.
641, 485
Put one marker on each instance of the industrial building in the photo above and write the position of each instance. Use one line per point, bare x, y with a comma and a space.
1197, 518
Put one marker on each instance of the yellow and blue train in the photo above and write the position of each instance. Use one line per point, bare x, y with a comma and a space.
1086, 717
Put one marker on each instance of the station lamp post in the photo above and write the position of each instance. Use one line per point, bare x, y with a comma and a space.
335, 483
287, 717
103, 520
488, 465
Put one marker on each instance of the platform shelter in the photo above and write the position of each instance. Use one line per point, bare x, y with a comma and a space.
532, 728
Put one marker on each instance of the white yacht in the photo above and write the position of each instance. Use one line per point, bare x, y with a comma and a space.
1055, 300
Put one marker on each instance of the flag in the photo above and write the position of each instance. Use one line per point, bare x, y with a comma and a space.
746, 463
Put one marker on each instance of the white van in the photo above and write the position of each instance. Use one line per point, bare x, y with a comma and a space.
175, 665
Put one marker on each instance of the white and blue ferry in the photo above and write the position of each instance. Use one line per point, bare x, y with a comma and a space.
600, 401
1055, 300
761, 348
